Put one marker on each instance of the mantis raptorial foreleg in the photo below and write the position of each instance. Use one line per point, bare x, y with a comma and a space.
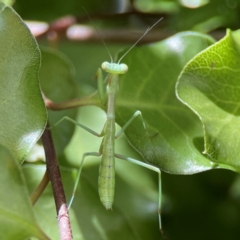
101, 87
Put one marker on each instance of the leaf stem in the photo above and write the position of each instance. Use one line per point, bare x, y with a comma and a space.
40, 188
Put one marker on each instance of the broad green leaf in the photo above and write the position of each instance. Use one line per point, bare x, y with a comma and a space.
23, 114
149, 86
209, 85
17, 219
57, 82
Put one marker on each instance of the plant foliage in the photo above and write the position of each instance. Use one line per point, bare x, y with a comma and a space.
187, 88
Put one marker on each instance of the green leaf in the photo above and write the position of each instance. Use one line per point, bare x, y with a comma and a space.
17, 219
57, 82
210, 85
23, 114
149, 86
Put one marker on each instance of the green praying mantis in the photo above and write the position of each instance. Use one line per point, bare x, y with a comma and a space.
108, 94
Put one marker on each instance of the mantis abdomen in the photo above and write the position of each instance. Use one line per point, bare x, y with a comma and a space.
106, 179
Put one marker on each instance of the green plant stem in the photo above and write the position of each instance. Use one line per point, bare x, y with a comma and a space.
40, 188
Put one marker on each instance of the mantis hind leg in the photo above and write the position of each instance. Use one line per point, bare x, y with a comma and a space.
84, 155
146, 165
96, 154
135, 115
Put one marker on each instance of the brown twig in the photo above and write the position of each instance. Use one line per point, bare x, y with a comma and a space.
88, 34
59, 28
57, 186
123, 15
81, 33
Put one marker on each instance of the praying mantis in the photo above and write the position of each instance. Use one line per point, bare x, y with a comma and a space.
108, 94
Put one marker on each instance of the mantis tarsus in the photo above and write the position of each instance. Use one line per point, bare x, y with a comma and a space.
106, 180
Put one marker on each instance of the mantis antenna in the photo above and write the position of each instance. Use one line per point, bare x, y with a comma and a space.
148, 29
99, 34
